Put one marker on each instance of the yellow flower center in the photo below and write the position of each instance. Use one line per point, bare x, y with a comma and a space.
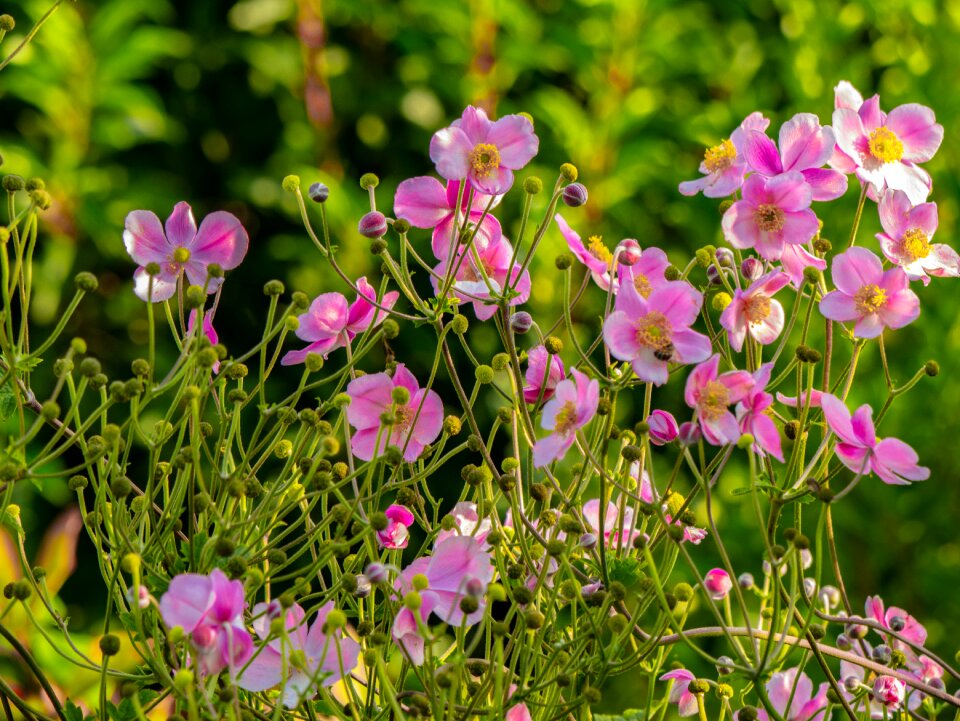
915, 244
642, 285
567, 418
484, 159
870, 299
598, 250
756, 309
720, 157
653, 331
885, 146
403, 416
769, 218
181, 255
714, 399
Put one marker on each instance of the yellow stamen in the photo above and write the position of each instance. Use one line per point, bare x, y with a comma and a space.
915, 244
181, 255
870, 299
566, 420
756, 309
769, 218
642, 285
885, 146
598, 250
653, 331
714, 399
484, 159
720, 157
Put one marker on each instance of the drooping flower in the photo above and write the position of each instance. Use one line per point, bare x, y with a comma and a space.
883, 148
471, 287
811, 399
395, 535
866, 293
754, 311
663, 427
573, 406
724, 165
482, 151
908, 230
805, 147
595, 255
416, 423
466, 522
680, 693
425, 203
717, 583
754, 418
538, 377
305, 657
795, 259
179, 247
208, 331
619, 530
711, 394
330, 323
651, 332
209, 609
793, 697
859, 449
774, 212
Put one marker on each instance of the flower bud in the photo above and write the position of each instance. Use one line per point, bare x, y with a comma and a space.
751, 269
725, 258
7, 23
717, 583
291, 183
369, 180
889, 691
484, 374
12, 183
812, 275
521, 322
87, 282
721, 300
574, 195
882, 654
931, 368
689, 433
318, 192
629, 251
568, 171
662, 427
110, 645
588, 541
532, 185
553, 345
713, 275
459, 324
373, 225
724, 665
745, 580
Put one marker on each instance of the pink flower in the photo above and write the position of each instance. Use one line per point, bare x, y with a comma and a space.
482, 151
494, 258
909, 627
711, 395
811, 399
646, 273
319, 655
774, 213
793, 697
208, 331
874, 298
456, 564
690, 533
805, 147
330, 323
617, 530
859, 449
416, 424
717, 583
181, 249
595, 255
650, 332
680, 694
210, 609
538, 377
906, 236
395, 535
663, 427
466, 522
755, 312
889, 691
573, 406
425, 203
753, 414
724, 165
884, 148
520, 712
795, 259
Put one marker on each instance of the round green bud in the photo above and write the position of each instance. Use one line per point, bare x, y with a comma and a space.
452, 426
290, 183
214, 270
539, 492
822, 246
87, 282
474, 444
412, 601
745, 441
484, 374
7, 23
401, 226
604, 406
121, 487
533, 619
194, 297
532, 185
183, 679
631, 453
335, 620
671, 272
501, 361
152, 268
507, 482
703, 258
78, 345
378, 246
698, 686
459, 324
50, 410
563, 261
469, 604
522, 595
683, 592
224, 547
109, 645
505, 414
720, 301
724, 206
556, 547
591, 695
812, 275
273, 288
369, 180
299, 300
391, 329
617, 624
553, 345
22, 590
568, 171
77, 483
510, 464
931, 368
236, 371
12, 183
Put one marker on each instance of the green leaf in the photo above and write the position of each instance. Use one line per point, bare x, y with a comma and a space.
72, 712
625, 570
8, 402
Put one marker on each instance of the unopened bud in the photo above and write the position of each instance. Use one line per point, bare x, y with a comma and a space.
574, 195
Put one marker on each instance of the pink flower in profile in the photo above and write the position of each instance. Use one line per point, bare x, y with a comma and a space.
466, 522
210, 610
471, 287
595, 255
866, 293
717, 583
618, 530
754, 311
889, 691
795, 259
663, 427
884, 148
538, 377
859, 449
416, 423
711, 394
896, 619
680, 693
457, 567
646, 274
319, 655
180, 248
330, 323
753, 415
650, 332
573, 406
774, 212
425, 203
395, 535
482, 151
905, 240
724, 165
811, 399
793, 697
208, 331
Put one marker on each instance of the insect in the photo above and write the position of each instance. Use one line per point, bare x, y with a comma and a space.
664, 352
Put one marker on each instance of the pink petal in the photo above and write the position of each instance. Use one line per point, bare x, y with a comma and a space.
514, 137
630, 302
862, 424
144, 239
856, 268
799, 226
475, 123
187, 600
739, 226
765, 432
768, 330
689, 346
422, 202
325, 318
164, 285
738, 383
804, 144
854, 457
699, 377
839, 307
917, 128
180, 226
847, 96
894, 211
370, 396
678, 301
901, 309
497, 182
550, 448
849, 132
911, 179
264, 671
768, 284
900, 459
795, 258
825, 184
722, 431
450, 150
221, 239
838, 418
651, 369
761, 154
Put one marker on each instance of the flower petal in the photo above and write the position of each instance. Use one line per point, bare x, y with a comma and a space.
917, 128
422, 202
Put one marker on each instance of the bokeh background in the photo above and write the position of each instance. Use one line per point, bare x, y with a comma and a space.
125, 104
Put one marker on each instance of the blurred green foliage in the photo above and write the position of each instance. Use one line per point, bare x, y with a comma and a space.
124, 104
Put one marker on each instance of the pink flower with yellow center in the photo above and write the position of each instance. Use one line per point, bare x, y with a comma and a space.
571, 408
724, 165
472, 287
594, 254
754, 311
650, 332
711, 394
866, 293
753, 413
906, 238
482, 151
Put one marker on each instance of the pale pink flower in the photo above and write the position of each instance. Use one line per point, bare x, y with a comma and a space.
180, 248
471, 287
754, 311
680, 693
753, 415
711, 394
795, 259
774, 213
650, 332
859, 449
910, 628
573, 406
663, 427
425, 203
617, 530
793, 697
717, 583
595, 255
208, 331
416, 424
330, 323
538, 377
811, 399
646, 273
866, 293
319, 655
482, 151
908, 230
466, 522
889, 691
724, 165
519, 712
395, 535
